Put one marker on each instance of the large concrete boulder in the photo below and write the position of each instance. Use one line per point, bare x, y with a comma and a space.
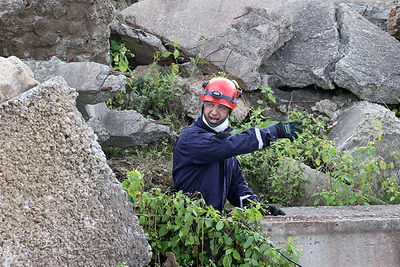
15, 78
94, 82
124, 128
332, 48
364, 122
369, 69
374, 14
309, 57
72, 30
234, 36
60, 203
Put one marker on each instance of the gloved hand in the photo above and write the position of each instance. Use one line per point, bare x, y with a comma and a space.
267, 209
289, 129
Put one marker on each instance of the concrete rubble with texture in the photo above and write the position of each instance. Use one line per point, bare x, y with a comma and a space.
60, 203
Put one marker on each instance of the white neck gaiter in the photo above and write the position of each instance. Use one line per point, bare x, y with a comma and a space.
218, 128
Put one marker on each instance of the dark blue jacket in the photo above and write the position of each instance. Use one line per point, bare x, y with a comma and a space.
205, 162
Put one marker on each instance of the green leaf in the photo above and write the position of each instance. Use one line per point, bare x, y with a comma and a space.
166, 54
163, 231
236, 256
331, 199
176, 53
220, 225
227, 260
248, 242
271, 97
352, 199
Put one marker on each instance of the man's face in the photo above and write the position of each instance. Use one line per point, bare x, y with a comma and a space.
215, 113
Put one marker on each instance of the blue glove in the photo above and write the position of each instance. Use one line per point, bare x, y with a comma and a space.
289, 129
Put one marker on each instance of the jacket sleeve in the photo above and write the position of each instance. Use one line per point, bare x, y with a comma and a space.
209, 147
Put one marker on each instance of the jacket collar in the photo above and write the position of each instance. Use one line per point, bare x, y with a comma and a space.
200, 123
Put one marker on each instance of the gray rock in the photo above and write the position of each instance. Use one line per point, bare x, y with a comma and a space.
15, 78
94, 82
374, 14
316, 182
190, 98
364, 122
369, 69
386, 4
328, 108
332, 48
72, 30
99, 129
125, 128
310, 56
234, 37
60, 202
141, 43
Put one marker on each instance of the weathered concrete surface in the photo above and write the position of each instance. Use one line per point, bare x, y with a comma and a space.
357, 70
123, 128
94, 82
340, 236
72, 30
60, 203
383, 3
362, 123
234, 36
15, 78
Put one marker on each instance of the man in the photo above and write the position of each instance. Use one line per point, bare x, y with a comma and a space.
205, 153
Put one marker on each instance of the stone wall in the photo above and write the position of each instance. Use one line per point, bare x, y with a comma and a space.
60, 203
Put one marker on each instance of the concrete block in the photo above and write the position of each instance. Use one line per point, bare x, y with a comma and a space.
340, 236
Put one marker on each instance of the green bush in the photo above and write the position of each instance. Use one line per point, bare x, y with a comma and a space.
199, 235
120, 55
271, 172
156, 94
361, 177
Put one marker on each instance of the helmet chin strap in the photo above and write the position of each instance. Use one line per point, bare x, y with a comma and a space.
218, 127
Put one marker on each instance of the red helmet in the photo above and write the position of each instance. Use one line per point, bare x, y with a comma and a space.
222, 91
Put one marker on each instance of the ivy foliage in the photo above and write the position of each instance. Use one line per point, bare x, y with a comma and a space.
198, 234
